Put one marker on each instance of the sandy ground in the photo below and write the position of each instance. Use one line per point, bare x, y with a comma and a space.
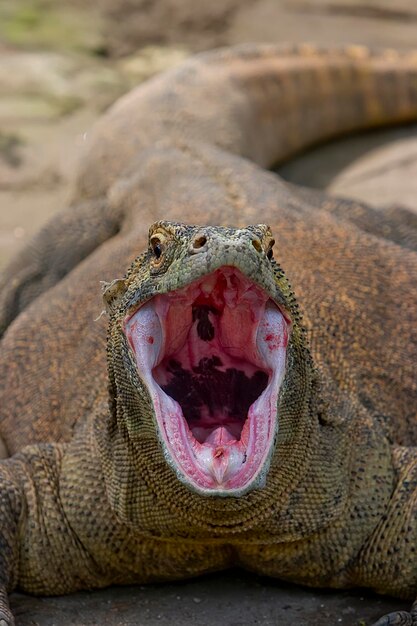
61, 65
227, 599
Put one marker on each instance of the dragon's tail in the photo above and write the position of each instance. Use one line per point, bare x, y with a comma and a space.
263, 102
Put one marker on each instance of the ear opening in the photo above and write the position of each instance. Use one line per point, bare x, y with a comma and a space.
113, 293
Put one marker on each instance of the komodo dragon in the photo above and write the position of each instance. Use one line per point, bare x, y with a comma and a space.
226, 429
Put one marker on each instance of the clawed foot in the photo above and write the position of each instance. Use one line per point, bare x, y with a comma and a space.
398, 618
6, 617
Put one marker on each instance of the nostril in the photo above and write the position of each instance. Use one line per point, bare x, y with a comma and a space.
199, 242
257, 245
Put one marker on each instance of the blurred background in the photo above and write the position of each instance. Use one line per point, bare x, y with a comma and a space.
62, 63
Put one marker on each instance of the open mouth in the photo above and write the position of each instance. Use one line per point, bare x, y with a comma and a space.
212, 356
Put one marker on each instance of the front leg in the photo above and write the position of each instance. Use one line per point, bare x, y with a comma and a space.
388, 561
39, 552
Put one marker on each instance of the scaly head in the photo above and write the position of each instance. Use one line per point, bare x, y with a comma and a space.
205, 347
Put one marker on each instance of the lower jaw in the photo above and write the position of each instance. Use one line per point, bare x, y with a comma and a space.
222, 465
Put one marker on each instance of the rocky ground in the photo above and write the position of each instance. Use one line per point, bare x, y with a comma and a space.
62, 63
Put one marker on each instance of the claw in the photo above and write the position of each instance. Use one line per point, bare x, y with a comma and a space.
398, 618
6, 617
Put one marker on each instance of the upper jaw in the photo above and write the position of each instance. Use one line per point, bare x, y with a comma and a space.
220, 250
212, 355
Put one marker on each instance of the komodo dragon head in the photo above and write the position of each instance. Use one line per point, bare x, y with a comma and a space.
206, 348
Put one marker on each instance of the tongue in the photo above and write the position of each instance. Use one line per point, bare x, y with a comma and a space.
229, 432
220, 436
220, 455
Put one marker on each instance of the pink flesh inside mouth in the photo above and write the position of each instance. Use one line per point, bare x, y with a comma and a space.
212, 355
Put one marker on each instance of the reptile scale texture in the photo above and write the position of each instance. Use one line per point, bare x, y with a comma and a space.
228, 422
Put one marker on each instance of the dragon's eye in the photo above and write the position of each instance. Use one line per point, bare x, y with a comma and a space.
270, 253
156, 246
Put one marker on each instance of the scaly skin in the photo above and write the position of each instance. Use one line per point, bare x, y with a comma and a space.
88, 499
